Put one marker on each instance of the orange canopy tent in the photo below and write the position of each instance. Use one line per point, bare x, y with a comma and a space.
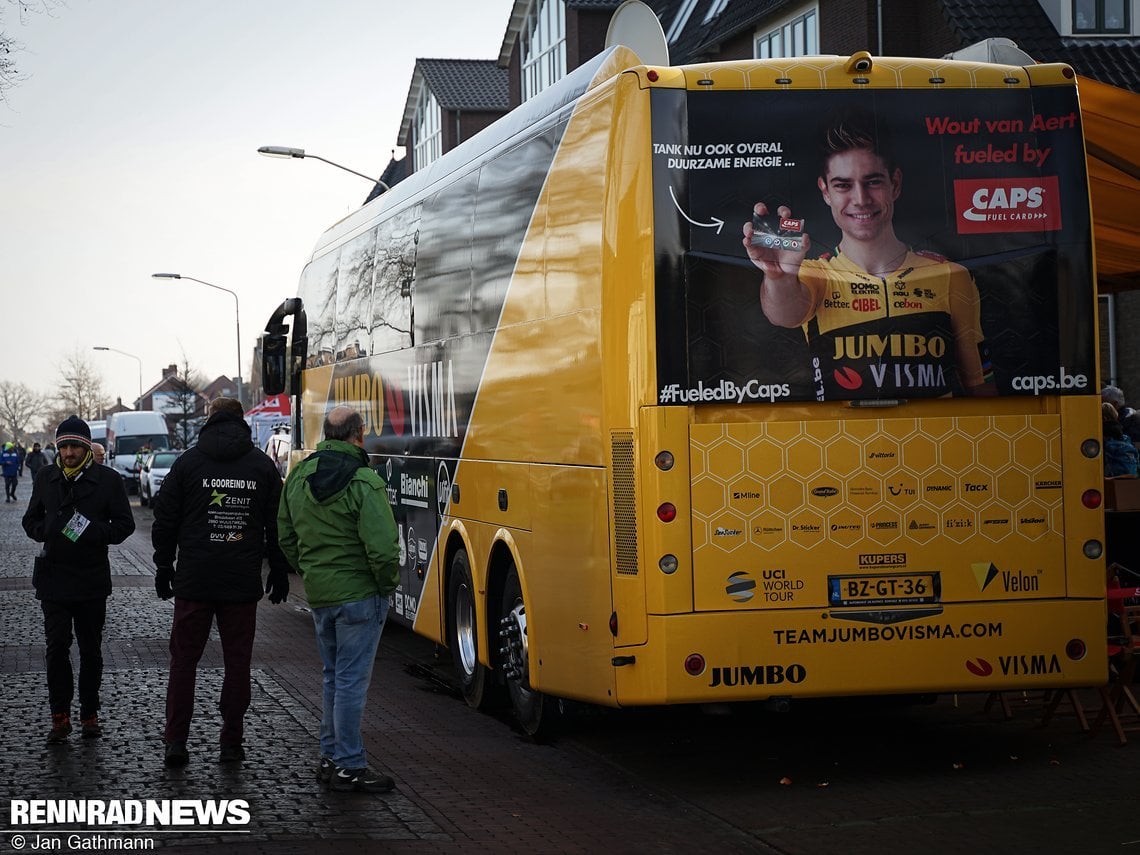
1111, 119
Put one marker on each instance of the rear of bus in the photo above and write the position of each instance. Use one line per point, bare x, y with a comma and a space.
843, 511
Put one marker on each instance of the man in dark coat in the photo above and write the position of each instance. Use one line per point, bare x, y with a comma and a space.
76, 511
216, 514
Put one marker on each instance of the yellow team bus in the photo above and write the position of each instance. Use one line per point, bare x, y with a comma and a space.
726, 382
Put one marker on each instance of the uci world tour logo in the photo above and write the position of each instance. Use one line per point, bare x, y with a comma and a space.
741, 586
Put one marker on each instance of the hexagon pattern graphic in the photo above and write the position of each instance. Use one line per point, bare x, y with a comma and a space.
875, 483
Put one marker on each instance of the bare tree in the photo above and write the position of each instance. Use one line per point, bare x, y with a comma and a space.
9, 71
81, 387
19, 405
186, 405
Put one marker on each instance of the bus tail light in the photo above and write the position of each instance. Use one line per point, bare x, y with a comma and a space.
1090, 448
664, 461
1091, 499
668, 564
666, 512
694, 664
1093, 549
1076, 649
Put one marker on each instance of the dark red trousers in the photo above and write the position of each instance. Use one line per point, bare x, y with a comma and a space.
237, 623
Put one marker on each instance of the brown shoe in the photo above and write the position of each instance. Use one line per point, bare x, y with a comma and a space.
90, 727
60, 728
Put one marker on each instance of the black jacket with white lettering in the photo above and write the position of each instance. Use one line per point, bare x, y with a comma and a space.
216, 513
79, 570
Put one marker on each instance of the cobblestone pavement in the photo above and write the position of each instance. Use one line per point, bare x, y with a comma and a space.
464, 781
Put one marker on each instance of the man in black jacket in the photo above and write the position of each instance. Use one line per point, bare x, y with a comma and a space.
77, 509
216, 512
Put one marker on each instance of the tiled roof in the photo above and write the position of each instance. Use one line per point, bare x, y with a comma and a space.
699, 40
1110, 60
466, 84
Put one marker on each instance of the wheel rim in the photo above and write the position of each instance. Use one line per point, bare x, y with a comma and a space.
465, 629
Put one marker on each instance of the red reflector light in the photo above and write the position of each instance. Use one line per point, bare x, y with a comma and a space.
652, 75
694, 664
666, 512
1091, 499
1076, 649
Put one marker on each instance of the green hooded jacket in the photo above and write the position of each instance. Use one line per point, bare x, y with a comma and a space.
336, 527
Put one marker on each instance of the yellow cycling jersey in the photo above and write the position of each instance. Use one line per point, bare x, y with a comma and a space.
907, 334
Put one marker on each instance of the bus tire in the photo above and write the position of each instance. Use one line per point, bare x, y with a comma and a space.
539, 715
463, 634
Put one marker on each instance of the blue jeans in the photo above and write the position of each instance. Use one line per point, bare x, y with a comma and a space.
347, 638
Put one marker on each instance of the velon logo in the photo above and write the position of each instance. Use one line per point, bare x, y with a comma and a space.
992, 205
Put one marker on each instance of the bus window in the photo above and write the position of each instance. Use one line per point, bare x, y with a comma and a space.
319, 285
353, 296
392, 295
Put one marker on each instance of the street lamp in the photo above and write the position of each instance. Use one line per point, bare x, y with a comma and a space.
132, 356
285, 151
237, 313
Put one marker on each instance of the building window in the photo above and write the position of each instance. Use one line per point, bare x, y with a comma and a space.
715, 8
428, 134
1091, 17
542, 43
679, 22
798, 36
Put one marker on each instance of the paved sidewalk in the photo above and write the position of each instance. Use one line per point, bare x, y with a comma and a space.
463, 783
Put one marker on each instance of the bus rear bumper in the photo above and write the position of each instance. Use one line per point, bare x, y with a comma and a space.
970, 647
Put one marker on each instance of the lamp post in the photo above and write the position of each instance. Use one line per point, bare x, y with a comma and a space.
285, 151
237, 315
132, 356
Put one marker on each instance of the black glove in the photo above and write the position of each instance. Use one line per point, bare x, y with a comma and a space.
277, 586
163, 576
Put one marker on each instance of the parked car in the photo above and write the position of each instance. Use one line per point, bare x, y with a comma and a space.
152, 472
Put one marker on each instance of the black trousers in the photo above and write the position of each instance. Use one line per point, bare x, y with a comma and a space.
87, 617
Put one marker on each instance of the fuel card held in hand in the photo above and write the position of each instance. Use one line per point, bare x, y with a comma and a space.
776, 232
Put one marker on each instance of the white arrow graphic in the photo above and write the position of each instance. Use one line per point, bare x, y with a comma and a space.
718, 224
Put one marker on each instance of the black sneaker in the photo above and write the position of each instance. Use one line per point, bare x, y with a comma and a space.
176, 754
325, 770
231, 754
60, 728
361, 781
90, 727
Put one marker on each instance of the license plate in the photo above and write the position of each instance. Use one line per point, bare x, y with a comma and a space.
885, 590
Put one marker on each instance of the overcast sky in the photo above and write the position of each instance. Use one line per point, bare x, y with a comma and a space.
131, 148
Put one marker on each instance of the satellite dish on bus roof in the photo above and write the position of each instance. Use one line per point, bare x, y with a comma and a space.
635, 25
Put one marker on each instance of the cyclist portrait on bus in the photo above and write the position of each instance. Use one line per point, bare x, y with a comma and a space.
881, 319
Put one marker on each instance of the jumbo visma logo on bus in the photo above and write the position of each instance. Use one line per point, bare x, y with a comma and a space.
421, 404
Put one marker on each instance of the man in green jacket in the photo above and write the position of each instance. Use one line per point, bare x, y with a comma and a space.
337, 531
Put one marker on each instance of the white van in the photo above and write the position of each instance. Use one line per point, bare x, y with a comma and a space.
98, 431
127, 435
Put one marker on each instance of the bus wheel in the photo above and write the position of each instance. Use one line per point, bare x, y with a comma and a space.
537, 714
463, 635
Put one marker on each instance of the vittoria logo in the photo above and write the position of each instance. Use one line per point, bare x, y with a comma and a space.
1007, 205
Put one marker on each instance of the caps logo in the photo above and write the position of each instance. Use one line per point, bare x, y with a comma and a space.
993, 205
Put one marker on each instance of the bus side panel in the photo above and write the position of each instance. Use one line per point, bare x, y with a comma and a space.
539, 402
566, 578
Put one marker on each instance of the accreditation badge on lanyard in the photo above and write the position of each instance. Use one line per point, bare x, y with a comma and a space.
75, 527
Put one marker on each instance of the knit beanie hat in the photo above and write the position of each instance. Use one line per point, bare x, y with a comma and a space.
73, 429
